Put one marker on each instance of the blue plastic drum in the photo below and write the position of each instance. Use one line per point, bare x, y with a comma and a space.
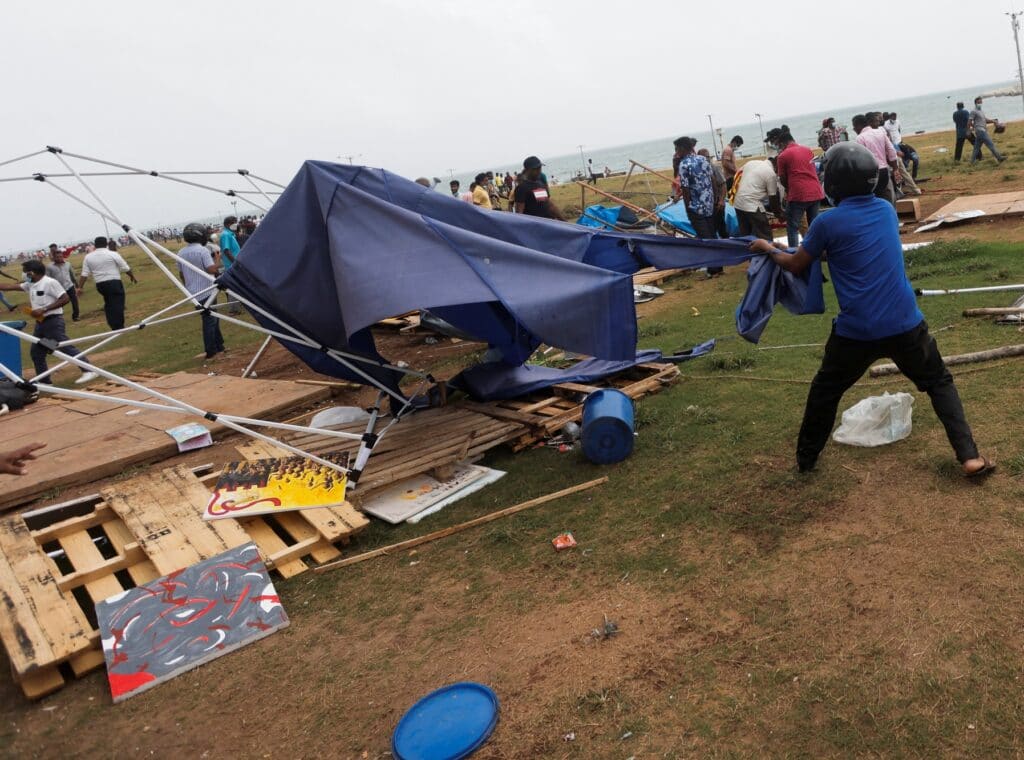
448, 724
607, 426
10, 348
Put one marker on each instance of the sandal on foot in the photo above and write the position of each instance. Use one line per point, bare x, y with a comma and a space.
985, 470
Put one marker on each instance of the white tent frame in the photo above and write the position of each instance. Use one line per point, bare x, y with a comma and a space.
287, 332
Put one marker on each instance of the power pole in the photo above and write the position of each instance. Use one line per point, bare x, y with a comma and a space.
583, 161
714, 144
761, 124
1015, 22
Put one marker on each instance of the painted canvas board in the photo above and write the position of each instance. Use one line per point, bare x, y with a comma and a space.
412, 496
267, 486
154, 632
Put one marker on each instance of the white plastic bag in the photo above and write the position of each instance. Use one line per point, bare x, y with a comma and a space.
876, 421
338, 415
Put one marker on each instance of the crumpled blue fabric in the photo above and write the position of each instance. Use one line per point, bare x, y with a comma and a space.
769, 284
496, 380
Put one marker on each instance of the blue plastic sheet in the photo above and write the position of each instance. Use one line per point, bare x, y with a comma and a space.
769, 284
345, 246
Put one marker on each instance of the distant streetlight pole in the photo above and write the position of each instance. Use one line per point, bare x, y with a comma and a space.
1015, 22
234, 208
761, 125
451, 174
583, 161
714, 144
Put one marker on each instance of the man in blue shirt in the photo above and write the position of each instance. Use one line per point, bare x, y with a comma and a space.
878, 313
961, 118
229, 250
696, 185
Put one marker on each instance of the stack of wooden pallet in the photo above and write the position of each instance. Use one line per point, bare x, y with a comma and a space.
546, 412
56, 563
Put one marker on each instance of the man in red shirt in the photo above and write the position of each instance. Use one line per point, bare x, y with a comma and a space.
796, 171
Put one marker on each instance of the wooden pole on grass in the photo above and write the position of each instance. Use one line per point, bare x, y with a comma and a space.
639, 210
951, 361
994, 311
649, 170
403, 545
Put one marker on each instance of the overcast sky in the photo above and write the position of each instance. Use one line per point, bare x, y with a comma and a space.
421, 87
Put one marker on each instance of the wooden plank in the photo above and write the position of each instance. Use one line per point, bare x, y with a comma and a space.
86, 662
271, 545
40, 682
71, 525
210, 537
83, 447
40, 626
142, 572
321, 550
99, 574
165, 544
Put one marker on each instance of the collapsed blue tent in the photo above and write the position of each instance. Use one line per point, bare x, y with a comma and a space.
346, 246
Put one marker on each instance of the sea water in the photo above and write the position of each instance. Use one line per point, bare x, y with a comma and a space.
927, 113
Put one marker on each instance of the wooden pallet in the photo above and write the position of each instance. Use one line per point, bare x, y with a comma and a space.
546, 412
55, 563
431, 440
652, 276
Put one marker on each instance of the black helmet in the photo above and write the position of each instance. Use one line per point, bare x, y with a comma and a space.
850, 169
195, 232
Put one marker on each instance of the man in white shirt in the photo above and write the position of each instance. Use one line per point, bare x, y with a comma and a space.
894, 129
757, 183
47, 298
105, 267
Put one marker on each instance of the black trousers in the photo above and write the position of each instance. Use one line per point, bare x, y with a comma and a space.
213, 341
51, 328
704, 226
113, 302
958, 152
754, 223
73, 297
846, 360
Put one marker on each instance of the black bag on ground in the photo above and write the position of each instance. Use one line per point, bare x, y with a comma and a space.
13, 396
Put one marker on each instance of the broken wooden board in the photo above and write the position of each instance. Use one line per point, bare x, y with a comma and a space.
546, 412
652, 276
968, 207
57, 562
87, 440
432, 440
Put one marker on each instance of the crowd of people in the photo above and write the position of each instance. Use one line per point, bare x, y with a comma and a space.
527, 192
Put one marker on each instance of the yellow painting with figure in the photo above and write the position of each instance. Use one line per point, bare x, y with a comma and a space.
266, 486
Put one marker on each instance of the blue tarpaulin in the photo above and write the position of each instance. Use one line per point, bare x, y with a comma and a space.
346, 246
493, 381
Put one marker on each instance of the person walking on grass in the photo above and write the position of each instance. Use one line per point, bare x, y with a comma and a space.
878, 313
46, 297
800, 180
61, 270
105, 267
697, 188
979, 124
721, 188
198, 255
962, 120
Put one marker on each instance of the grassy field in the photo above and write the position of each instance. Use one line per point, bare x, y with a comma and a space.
873, 608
